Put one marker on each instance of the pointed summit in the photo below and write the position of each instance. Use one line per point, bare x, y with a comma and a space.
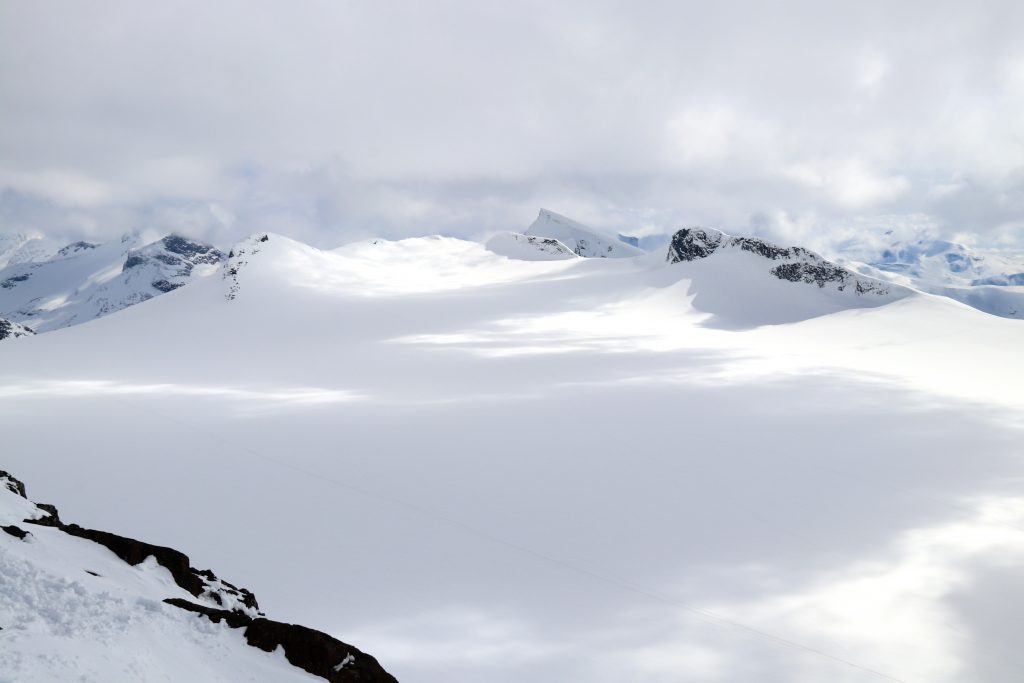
581, 239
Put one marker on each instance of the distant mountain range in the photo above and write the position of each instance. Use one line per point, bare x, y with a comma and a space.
83, 281
45, 286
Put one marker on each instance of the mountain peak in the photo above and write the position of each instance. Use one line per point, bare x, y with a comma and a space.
795, 264
583, 240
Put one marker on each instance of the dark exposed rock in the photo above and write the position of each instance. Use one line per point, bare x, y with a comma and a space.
14, 280
690, 244
135, 552
317, 652
166, 286
194, 252
12, 483
16, 531
52, 520
818, 273
769, 250
9, 328
76, 246
133, 260
198, 583
168, 259
310, 650
233, 619
800, 265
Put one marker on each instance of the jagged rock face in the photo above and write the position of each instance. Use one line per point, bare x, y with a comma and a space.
312, 651
690, 244
799, 264
9, 329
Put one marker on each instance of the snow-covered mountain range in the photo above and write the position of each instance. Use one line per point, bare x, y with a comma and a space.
987, 280
83, 281
723, 459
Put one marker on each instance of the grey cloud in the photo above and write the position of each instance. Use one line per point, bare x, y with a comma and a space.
332, 121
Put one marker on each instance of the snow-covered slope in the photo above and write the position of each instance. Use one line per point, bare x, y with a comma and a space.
581, 239
489, 469
84, 281
86, 605
17, 247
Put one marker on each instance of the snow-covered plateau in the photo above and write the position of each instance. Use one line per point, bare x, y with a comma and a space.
720, 461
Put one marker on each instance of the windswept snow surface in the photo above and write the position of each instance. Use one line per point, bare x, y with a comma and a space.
487, 469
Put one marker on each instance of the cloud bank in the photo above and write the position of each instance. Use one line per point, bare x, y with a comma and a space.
333, 121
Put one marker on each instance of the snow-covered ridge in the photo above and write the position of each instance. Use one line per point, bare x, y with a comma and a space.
238, 258
60, 579
581, 239
795, 264
528, 247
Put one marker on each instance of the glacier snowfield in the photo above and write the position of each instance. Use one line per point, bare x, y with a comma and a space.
484, 466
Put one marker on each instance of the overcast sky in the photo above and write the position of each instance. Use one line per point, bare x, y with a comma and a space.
331, 121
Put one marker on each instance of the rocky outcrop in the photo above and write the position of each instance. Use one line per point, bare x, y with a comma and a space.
9, 328
170, 261
238, 258
75, 248
795, 264
312, 651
